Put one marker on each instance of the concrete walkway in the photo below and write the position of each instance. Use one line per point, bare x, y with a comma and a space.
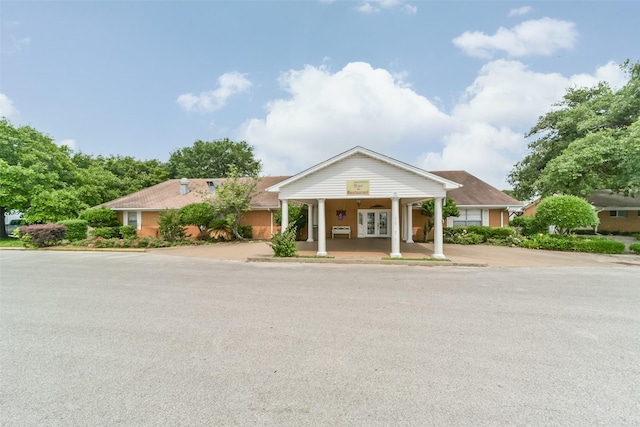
374, 250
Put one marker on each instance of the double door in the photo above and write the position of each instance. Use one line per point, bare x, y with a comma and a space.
374, 223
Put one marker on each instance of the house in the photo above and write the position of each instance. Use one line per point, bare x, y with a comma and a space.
142, 209
356, 194
617, 212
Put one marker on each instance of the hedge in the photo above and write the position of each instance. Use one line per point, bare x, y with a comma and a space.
635, 248
575, 244
76, 229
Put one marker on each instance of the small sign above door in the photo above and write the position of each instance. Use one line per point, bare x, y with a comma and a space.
358, 187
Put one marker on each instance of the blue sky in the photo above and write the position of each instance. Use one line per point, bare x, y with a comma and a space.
440, 85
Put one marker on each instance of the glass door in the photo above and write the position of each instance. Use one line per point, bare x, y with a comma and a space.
373, 223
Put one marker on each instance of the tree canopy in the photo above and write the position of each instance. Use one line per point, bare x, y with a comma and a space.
213, 160
590, 141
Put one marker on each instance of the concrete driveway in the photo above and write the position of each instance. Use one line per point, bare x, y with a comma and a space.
358, 250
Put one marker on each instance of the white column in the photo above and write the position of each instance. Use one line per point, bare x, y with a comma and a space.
404, 222
322, 235
310, 223
437, 229
395, 227
285, 215
410, 223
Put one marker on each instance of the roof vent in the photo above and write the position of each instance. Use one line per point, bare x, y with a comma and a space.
213, 184
184, 186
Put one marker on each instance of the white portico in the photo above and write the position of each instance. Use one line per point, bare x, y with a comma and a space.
366, 194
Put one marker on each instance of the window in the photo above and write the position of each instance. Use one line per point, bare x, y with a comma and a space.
468, 217
618, 213
132, 218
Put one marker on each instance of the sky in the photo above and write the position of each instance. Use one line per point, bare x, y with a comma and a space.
440, 85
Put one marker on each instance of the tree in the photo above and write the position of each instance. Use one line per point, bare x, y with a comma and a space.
31, 166
566, 213
590, 142
428, 209
213, 160
199, 214
233, 198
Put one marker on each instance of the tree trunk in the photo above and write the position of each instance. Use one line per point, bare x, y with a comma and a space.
3, 231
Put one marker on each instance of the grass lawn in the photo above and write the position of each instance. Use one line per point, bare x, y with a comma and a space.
10, 242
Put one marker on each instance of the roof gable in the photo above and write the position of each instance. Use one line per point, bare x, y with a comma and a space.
446, 183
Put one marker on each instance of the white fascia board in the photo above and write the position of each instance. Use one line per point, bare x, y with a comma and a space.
449, 185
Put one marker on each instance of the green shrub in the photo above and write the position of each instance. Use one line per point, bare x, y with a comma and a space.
169, 226
475, 234
221, 230
462, 237
41, 235
106, 232
246, 231
635, 247
528, 225
100, 217
566, 213
128, 231
636, 236
76, 229
284, 244
574, 244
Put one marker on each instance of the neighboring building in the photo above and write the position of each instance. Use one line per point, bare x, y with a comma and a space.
479, 203
356, 194
616, 211
142, 208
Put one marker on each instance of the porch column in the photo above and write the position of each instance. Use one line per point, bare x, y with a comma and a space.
310, 223
410, 223
395, 227
322, 235
437, 230
285, 215
404, 222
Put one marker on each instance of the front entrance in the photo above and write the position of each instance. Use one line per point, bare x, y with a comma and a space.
374, 223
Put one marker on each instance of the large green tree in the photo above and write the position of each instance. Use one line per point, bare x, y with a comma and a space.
34, 173
589, 141
213, 159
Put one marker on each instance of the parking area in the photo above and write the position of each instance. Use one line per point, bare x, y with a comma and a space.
106, 338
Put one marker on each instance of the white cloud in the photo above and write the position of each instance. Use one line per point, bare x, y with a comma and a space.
520, 11
71, 143
507, 93
7, 109
535, 37
229, 84
327, 113
610, 73
504, 102
374, 6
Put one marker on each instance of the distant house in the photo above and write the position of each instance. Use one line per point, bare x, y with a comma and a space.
356, 194
616, 211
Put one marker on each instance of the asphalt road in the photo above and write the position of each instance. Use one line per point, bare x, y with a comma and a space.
149, 339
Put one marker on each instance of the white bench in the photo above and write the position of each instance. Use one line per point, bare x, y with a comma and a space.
340, 229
